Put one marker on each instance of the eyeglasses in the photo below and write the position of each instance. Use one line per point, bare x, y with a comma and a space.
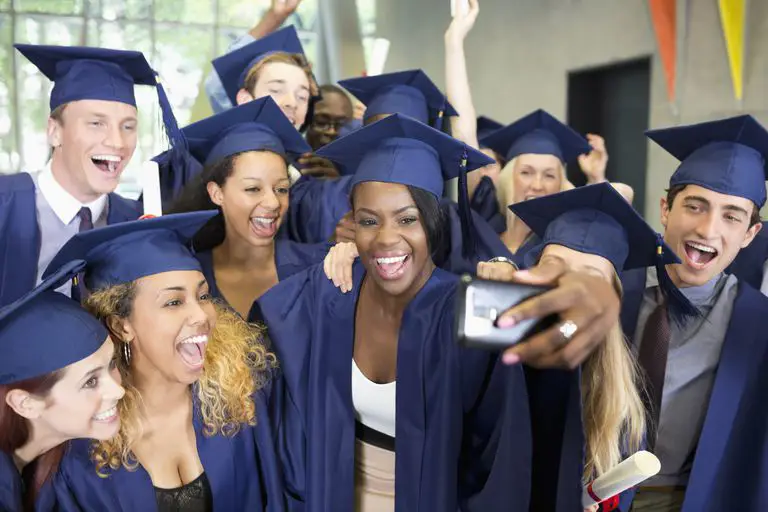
326, 124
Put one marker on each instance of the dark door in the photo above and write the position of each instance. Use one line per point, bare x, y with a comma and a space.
613, 102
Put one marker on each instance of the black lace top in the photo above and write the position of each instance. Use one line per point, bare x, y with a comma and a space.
193, 497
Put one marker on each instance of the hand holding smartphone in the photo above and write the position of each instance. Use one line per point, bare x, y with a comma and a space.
481, 302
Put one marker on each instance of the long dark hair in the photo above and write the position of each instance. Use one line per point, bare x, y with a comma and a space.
433, 218
194, 198
15, 432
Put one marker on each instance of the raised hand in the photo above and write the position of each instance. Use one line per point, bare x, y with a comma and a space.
594, 163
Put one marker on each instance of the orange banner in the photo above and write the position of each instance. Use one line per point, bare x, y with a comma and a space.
664, 18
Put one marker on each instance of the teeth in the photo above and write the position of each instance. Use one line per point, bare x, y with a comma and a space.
196, 339
263, 220
107, 158
701, 247
106, 414
396, 259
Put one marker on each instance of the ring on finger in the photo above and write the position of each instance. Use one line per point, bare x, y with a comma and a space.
568, 330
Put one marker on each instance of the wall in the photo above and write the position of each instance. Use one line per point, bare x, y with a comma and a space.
520, 52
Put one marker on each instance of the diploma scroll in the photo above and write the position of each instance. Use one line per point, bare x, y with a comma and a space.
150, 183
632, 471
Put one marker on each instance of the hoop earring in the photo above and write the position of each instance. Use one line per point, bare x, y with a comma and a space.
127, 354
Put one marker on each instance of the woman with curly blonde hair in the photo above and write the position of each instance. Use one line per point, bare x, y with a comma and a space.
194, 432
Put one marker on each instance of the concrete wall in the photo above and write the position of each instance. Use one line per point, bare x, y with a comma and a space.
520, 52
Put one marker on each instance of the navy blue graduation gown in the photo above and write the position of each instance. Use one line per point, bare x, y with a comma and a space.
487, 243
20, 232
11, 487
290, 258
486, 204
554, 401
748, 265
316, 207
446, 401
173, 180
242, 471
730, 468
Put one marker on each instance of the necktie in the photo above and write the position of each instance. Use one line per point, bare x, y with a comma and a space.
86, 221
86, 224
653, 360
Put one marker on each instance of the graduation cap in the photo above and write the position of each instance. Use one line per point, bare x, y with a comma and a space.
406, 92
400, 149
256, 125
233, 67
84, 73
596, 219
727, 156
45, 331
124, 252
486, 126
350, 126
538, 133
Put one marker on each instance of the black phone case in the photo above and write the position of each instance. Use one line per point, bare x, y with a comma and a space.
481, 302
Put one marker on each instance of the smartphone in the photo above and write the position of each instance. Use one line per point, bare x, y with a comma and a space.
459, 7
481, 302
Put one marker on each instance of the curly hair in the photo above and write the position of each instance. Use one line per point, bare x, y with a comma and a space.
237, 363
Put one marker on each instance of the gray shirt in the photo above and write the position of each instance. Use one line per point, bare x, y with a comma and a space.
57, 219
694, 353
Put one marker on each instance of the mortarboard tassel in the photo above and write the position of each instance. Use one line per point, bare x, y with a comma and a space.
465, 215
178, 154
679, 307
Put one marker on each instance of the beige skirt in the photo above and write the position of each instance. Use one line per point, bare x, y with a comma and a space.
374, 478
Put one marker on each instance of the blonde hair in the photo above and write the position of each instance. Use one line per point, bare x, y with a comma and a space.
236, 365
613, 411
295, 59
505, 189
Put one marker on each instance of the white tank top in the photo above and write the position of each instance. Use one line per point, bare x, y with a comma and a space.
375, 404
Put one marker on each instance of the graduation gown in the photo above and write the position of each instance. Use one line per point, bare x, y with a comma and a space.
487, 243
20, 232
290, 258
445, 402
749, 263
730, 467
486, 204
242, 471
11, 486
316, 206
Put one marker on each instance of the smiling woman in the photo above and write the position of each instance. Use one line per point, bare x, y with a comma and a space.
404, 398
56, 386
194, 374
245, 152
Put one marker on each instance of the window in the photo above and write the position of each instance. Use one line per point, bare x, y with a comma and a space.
179, 38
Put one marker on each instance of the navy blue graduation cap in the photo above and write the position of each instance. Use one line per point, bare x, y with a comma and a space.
538, 133
256, 125
124, 252
486, 126
405, 92
350, 126
400, 149
727, 156
84, 73
596, 219
233, 67
45, 331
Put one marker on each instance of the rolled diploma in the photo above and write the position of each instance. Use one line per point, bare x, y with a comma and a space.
635, 469
150, 184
